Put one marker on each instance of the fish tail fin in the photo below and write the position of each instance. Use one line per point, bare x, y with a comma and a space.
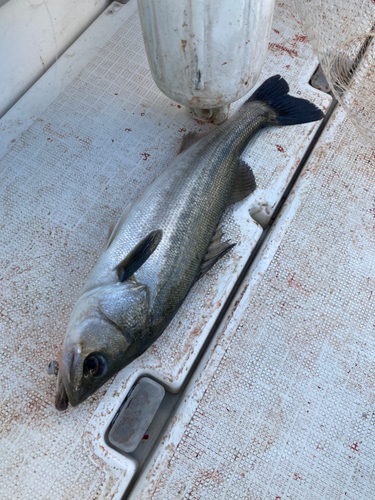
289, 110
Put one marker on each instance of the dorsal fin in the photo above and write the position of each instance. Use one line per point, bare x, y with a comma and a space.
244, 184
117, 227
189, 139
216, 250
138, 255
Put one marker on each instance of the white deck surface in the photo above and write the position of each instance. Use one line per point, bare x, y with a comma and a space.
103, 139
282, 405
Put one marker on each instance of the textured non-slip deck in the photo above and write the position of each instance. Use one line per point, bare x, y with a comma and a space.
282, 406
63, 182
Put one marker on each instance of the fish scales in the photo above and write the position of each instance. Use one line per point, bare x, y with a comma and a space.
156, 252
186, 203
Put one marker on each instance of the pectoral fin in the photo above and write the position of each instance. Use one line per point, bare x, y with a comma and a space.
244, 184
138, 255
216, 250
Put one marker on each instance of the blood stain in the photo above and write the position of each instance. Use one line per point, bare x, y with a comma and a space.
301, 38
279, 46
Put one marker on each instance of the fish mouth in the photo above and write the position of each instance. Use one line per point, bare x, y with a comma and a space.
61, 398
65, 397
67, 391
67, 359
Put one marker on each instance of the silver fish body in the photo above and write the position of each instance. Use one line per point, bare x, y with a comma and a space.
186, 203
120, 313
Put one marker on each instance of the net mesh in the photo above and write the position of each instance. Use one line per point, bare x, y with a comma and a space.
342, 35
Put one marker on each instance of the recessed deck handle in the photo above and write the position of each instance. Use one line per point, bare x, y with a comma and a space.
136, 415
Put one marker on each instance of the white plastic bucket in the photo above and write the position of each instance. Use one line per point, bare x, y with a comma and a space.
205, 54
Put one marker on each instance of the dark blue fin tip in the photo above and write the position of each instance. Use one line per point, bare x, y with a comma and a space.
290, 110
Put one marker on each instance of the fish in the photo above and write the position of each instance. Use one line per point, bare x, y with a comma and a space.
163, 243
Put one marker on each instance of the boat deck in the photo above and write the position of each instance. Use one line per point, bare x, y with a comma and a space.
268, 365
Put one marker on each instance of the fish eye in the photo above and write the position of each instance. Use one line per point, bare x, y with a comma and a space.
94, 365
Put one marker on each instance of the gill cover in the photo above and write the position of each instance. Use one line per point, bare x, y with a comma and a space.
105, 324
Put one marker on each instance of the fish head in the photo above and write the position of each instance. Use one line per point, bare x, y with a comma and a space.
106, 325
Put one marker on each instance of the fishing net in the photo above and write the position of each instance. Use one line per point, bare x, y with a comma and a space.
342, 35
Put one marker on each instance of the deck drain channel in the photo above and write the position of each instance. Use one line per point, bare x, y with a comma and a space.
172, 400
262, 238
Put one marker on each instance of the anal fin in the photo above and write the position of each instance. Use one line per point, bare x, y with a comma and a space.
216, 250
244, 184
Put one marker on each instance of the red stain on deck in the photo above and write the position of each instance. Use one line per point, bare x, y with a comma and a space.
276, 31
301, 38
354, 447
182, 130
291, 50
142, 114
280, 148
86, 140
145, 156
224, 63
128, 130
281, 47
145, 437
